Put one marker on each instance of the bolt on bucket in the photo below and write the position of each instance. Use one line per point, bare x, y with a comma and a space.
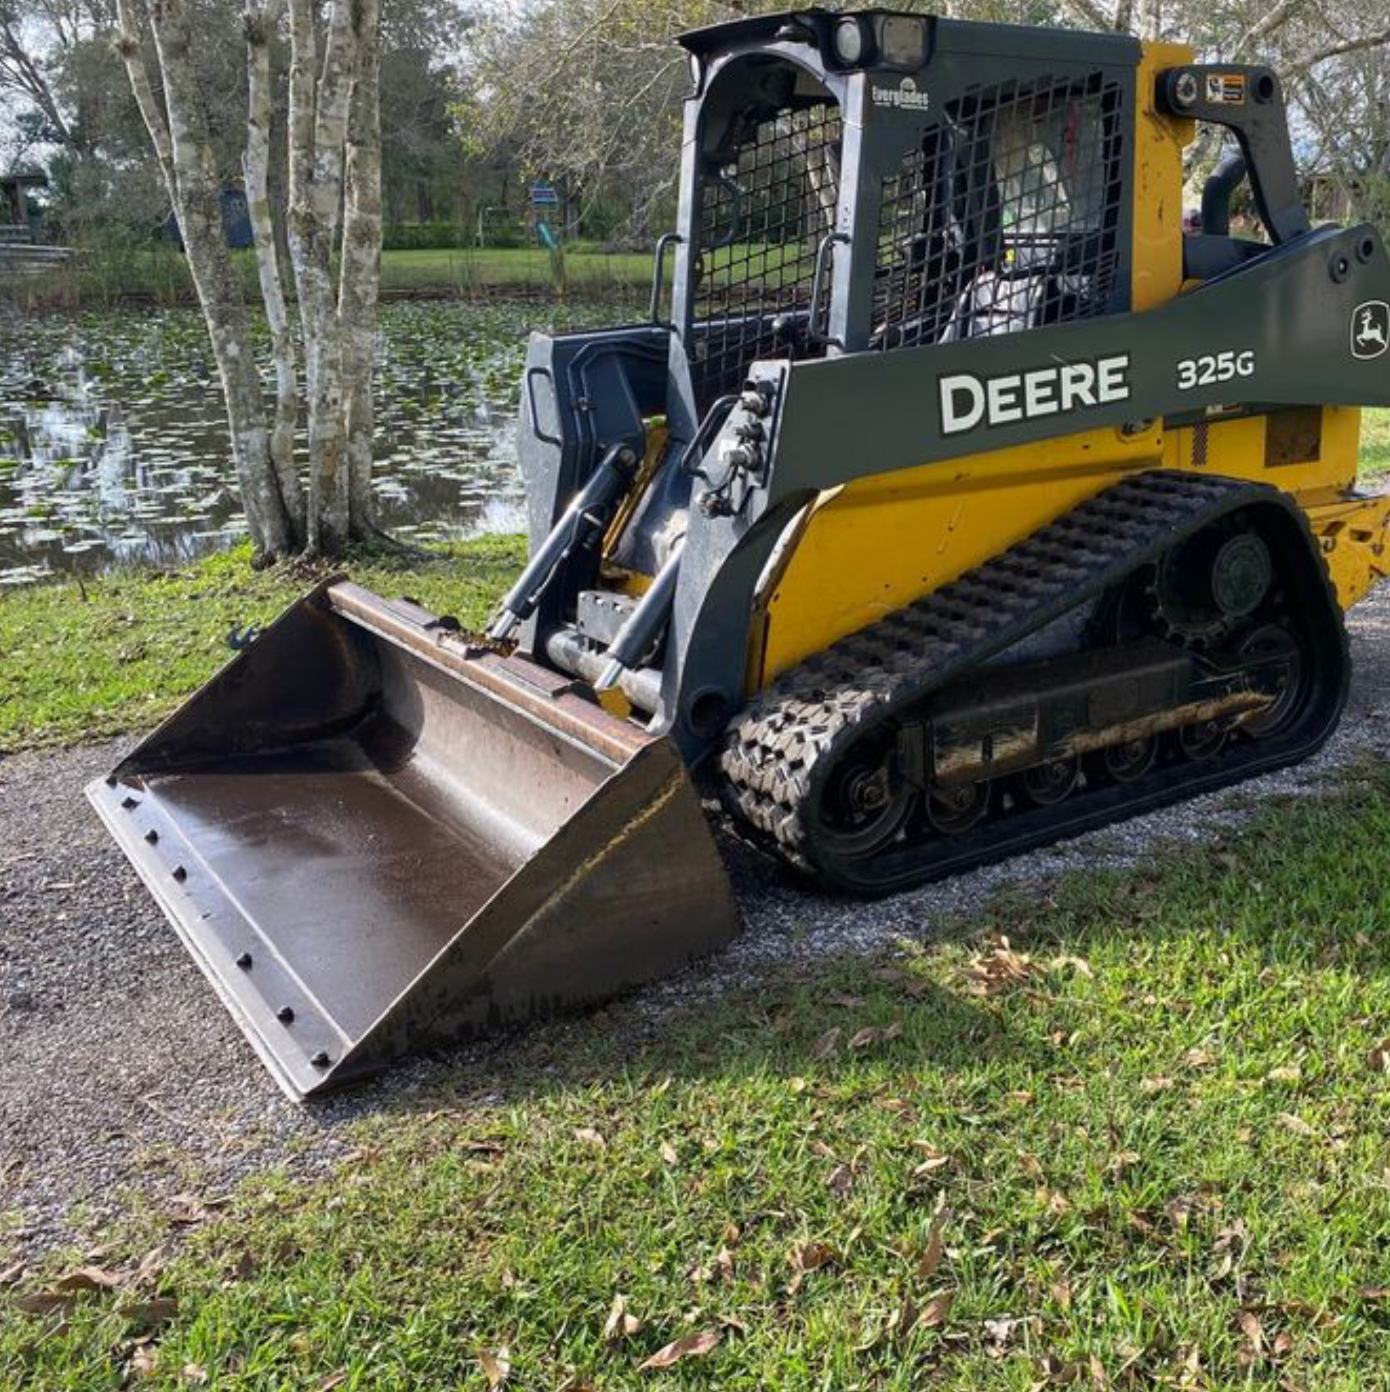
375, 839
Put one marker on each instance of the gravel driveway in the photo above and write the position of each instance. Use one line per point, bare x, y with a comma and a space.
123, 1081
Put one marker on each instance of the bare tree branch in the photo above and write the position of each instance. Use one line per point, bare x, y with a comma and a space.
1354, 45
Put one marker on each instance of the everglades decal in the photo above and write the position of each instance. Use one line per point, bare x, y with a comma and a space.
906, 96
969, 401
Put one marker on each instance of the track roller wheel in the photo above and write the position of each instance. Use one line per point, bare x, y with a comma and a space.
1124, 763
954, 811
1047, 784
1201, 740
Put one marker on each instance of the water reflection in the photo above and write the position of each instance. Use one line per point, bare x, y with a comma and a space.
113, 444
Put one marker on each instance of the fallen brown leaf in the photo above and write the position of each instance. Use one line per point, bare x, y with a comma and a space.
1379, 1057
1061, 1293
937, 1310
620, 1324
497, 1365
841, 1181
811, 1256
1296, 1124
331, 1381
1159, 1083
11, 1274
691, 1346
901, 1321
935, 1159
44, 1303
936, 1246
845, 1000
1373, 1293
194, 1374
586, 1135
187, 1209
150, 1314
1254, 1333
1288, 1073
806, 1257
87, 1278
144, 1362
827, 1044
997, 970
668, 1153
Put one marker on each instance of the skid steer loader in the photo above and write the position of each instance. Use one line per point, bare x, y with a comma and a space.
958, 500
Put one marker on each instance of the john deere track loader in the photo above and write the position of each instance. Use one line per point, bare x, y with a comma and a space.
958, 500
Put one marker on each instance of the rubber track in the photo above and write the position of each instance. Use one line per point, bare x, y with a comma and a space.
779, 751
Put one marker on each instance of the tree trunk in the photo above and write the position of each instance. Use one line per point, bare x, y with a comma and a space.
182, 143
318, 134
361, 266
260, 30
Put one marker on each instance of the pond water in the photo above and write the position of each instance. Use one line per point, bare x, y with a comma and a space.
113, 442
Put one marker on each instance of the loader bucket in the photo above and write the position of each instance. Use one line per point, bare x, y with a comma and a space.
376, 839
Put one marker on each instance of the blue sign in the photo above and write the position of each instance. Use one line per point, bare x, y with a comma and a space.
544, 195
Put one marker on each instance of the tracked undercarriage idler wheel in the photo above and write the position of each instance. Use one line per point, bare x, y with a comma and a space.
1274, 641
869, 802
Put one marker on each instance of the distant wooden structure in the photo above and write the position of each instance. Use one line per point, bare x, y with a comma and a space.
14, 204
21, 251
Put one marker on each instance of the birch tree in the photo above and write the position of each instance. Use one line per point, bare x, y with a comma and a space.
334, 237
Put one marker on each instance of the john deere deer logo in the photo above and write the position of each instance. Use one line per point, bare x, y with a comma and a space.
1370, 329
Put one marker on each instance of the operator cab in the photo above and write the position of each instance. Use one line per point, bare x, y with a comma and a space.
872, 182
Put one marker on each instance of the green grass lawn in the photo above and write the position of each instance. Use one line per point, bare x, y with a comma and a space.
1141, 1143
100, 656
1375, 443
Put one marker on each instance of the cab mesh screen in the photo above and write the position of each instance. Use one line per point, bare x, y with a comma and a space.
763, 213
1007, 216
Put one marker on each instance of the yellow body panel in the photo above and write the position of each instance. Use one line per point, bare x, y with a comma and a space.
880, 542
868, 548
1159, 142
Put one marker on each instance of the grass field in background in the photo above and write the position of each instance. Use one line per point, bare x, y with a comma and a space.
98, 277
1129, 1133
